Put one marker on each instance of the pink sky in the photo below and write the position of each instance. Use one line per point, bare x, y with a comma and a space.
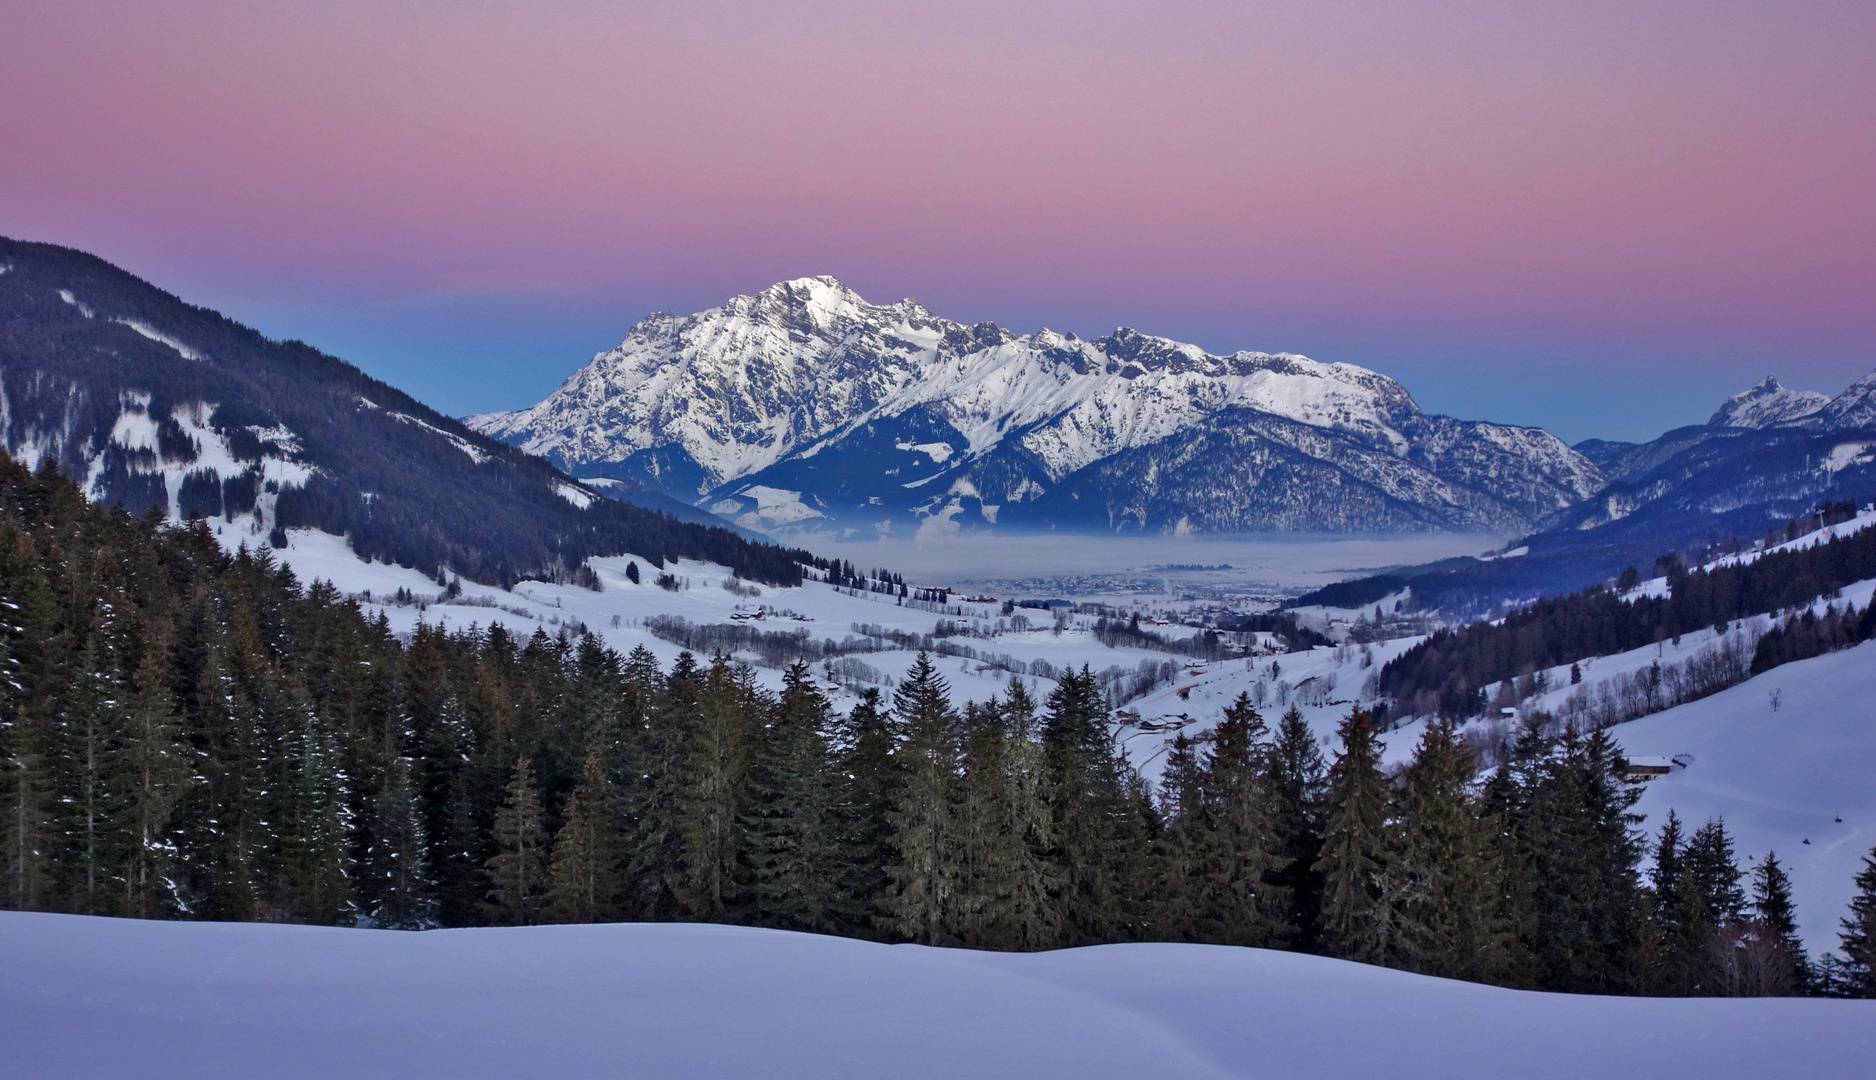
1666, 190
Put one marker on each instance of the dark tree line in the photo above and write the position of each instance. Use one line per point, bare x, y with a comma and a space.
1448, 673
192, 734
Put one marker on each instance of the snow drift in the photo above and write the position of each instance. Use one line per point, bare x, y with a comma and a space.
95, 997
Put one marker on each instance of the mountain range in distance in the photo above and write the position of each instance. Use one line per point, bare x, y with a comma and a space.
806, 410
806, 413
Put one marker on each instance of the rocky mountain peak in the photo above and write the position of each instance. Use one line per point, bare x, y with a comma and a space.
1767, 405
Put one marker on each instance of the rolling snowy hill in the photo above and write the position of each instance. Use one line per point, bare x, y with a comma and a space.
804, 407
88, 997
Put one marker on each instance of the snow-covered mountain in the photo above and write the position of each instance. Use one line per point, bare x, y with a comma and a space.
804, 406
157, 405
1767, 405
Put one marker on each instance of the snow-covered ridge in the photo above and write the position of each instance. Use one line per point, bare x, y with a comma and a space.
698, 404
743, 385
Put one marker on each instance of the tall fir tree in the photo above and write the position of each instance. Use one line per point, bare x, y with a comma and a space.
865, 784
1298, 781
790, 828
518, 870
924, 870
1095, 816
1355, 847
404, 893
1858, 936
583, 875
1777, 918
1244, 904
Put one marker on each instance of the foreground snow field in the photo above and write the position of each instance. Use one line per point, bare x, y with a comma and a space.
85, 997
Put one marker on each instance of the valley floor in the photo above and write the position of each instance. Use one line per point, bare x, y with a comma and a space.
87, 997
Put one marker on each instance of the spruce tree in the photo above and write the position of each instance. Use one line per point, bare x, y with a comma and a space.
1447, 879
924, 872
1182, 849
1715, 873
518, 870
1298, 780
712, 791
1777, 918
584, 871
790, 828
866, 784
1095, 815
1243, 905
1858, 936
1030, 919
1355, 846
403, 894
1587, 931
153, 772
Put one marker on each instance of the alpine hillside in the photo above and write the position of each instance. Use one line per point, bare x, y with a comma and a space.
160, 406
804, 407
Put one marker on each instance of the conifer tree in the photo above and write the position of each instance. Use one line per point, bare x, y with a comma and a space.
1715, 872
1299, 779
1095, 816
924, 872
1858, 936
1448, 875
865, 787
518, 870
1243, 906
584, 873
318, 840
712, 791
1182, 848
1587, 895
1355, 846
1777, 917
153, 772
1030, 918
790, 829
404, 894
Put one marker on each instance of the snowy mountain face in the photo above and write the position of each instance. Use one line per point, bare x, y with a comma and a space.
1767, 405
805, 407
159, 406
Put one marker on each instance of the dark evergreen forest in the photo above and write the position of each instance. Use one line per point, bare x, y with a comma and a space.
194, 735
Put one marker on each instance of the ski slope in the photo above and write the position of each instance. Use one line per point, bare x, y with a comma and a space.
89, 997
1779, 778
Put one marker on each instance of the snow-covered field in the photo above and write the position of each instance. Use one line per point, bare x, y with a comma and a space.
1800, 780
88, 997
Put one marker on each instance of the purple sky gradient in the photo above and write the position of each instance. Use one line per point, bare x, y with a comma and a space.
1516, 209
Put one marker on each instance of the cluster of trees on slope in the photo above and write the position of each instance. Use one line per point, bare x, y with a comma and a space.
400, 492
1447, 674
192, 734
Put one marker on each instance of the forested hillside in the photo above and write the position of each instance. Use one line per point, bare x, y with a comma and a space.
99, 370
1447, 675
192, 734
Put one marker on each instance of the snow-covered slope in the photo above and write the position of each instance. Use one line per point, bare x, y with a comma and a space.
805, 406
1767, 405
1796, 775
98, 997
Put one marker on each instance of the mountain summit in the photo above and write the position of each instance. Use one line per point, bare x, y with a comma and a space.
1767, 405
806, 407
